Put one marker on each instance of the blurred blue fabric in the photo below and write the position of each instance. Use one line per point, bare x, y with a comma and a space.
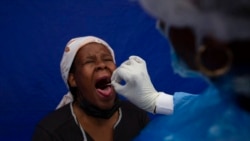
207, 117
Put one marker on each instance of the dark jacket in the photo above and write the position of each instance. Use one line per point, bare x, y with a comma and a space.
61, 126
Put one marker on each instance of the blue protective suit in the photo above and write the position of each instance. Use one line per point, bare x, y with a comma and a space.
207, 117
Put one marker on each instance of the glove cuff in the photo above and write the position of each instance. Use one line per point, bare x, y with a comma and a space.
164, 104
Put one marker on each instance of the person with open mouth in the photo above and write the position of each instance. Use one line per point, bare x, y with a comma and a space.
91, 110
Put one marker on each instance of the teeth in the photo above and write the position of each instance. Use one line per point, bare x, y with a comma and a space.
109, 84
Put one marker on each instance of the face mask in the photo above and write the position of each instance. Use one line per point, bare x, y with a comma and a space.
177, 63
94, 111
180, 67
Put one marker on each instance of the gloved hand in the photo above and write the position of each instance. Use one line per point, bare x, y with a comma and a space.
138, 87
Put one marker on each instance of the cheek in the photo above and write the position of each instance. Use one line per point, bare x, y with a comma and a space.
84, 75
112, 67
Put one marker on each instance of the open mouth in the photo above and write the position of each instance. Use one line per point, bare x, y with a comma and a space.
103, 86
103, 83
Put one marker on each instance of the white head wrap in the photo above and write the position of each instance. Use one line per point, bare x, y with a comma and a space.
224, 19
68, 57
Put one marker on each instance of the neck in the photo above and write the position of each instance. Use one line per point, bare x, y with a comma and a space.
83, 117
92, 110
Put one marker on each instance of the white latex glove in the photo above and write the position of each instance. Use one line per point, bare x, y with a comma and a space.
138, 88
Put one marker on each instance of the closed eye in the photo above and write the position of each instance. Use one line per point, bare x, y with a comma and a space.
88, 62
108, 58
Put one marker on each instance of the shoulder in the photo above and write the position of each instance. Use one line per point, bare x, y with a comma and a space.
132, 118
131, 111
59, 125
127, 106
56, 118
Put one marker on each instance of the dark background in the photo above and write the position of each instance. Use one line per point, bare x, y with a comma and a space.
33, 35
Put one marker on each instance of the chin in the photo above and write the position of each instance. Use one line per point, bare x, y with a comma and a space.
106, 105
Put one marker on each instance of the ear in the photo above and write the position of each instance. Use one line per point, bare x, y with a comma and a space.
71, 80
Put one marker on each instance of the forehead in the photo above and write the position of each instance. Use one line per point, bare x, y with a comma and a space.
93, 49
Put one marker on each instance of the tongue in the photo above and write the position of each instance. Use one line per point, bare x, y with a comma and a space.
104, 92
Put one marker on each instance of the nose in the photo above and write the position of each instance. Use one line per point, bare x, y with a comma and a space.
100, 65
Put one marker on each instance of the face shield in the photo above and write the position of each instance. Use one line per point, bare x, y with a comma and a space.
225, 20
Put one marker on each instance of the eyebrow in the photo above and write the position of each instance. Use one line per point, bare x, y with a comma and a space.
94, 57
107, 55
90, 57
